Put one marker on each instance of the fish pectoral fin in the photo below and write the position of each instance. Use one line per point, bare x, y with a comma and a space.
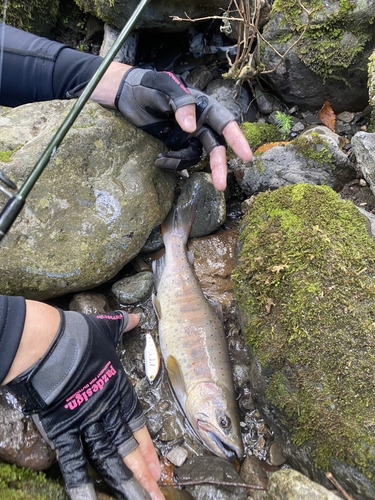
175, 376
156, 304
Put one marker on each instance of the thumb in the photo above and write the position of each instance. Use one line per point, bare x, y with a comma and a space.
186, 118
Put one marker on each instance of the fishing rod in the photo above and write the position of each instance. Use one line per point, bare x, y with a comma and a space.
16, 202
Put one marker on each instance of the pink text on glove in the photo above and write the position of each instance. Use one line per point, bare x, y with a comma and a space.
96, 384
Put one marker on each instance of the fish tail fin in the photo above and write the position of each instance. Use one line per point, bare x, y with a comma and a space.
179, 221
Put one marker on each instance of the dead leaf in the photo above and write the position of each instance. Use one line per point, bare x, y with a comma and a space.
167, 471
327, 116
269, 145
269, 304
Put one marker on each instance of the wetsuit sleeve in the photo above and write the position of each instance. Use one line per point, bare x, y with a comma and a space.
12, 319
37, 69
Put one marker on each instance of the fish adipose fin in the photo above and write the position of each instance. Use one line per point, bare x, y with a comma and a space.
176, 378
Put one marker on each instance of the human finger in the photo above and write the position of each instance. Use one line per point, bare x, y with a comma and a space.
148, 451
106, 460
133, 321
237, 141
186, 118
136, 462
218, 164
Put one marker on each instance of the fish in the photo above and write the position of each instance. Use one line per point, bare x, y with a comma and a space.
193, 343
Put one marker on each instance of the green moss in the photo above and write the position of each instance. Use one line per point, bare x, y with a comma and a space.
332, 43
5, 156
260, 133
314, 148
23, 484
306, 289
34, 16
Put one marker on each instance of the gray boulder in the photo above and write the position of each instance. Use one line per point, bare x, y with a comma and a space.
329, 63
157, 15
93, 207
314, 158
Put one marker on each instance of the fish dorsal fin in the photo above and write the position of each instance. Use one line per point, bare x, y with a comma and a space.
176, 378
156, 304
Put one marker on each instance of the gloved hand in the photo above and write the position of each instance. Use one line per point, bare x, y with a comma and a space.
84, 404
149, 99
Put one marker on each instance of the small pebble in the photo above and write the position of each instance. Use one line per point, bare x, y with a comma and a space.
177, 456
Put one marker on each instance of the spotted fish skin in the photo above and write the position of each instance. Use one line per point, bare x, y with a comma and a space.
193, 343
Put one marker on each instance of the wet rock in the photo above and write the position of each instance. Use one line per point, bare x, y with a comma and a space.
89, 303
92, 209
133, 289
364, 150
256, 473
289, 484
275, 455
211, 208
214, 263
177, 456
20, 442
215, 470
308, 159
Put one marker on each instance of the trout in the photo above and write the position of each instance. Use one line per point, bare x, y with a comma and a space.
193, 343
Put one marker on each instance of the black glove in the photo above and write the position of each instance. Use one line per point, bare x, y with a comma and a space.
149, 99
84, 404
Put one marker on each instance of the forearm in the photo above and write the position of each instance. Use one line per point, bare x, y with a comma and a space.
105, 91
37, 69
41, 325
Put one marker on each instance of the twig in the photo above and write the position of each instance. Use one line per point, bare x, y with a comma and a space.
180, 484
338, 486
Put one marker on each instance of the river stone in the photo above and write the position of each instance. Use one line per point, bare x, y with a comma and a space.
133, 289
20, 442
328, 63
364, 149
292, 485
92, 209
304, 282
157, 15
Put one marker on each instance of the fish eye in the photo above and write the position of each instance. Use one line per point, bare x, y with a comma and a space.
225, 422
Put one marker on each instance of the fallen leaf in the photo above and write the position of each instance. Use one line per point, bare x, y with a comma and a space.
269, 145
327, 116
167, 471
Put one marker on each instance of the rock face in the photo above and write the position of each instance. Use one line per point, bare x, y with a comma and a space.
306, 291
329, 62
93, 207
157, 15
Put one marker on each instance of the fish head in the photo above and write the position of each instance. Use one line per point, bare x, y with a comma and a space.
213, 414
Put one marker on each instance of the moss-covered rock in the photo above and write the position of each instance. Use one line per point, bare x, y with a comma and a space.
23, 484
34, 16
305, 284
324, 56
258, 134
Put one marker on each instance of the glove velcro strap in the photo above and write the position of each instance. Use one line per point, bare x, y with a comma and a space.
40, 385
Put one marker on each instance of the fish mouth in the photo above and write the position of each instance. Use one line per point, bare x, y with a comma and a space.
227, 451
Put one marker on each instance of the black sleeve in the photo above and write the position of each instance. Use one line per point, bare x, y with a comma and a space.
37, 69
12, 319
